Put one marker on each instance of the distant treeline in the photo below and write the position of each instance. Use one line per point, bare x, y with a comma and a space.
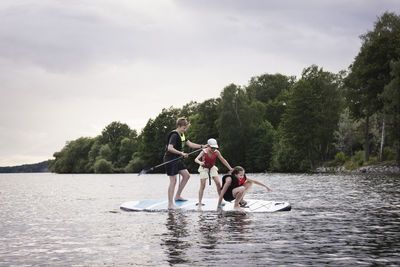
276, 122
37, 167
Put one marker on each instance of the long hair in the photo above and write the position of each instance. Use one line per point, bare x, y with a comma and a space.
237, 169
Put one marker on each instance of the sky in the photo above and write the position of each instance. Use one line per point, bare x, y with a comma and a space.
70, 68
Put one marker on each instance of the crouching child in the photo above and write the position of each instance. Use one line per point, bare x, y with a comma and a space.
235, 187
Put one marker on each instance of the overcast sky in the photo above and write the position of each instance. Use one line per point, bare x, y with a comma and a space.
69, 68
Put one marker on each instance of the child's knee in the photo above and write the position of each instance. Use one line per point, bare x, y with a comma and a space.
238, 191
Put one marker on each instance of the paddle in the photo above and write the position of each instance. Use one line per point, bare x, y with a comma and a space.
159, 165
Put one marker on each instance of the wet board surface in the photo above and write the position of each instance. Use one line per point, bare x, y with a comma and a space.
253, 205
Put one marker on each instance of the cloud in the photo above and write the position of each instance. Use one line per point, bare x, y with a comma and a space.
68, 68
73, 35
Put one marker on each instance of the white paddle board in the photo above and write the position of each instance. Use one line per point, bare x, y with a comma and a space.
253, 205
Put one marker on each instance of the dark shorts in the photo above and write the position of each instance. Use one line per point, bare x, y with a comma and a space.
173, 168
228, 195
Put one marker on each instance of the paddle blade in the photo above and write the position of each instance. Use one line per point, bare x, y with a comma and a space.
144, 171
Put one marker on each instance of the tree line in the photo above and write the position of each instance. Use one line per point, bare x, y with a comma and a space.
26, 168
275, 122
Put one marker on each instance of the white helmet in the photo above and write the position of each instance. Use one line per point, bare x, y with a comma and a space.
212, 142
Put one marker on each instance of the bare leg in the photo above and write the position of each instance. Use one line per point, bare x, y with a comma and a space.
171, 189
201, 192
238, 194
218, 185
185, 178
247, 185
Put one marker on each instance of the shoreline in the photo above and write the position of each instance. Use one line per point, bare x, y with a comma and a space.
384, 169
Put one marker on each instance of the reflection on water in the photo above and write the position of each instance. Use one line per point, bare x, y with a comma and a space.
194, 238
64, 220
209, 226
175, 240
238, 224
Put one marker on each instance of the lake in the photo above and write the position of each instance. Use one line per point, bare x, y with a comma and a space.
63, 220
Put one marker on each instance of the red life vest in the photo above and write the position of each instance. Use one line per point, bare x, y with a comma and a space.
209, 162
242, 181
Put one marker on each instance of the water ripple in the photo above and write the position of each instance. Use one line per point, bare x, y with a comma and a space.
60, 220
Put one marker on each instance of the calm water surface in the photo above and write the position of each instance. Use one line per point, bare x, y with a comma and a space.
59, 220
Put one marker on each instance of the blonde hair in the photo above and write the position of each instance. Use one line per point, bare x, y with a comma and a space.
237, 169
182, 121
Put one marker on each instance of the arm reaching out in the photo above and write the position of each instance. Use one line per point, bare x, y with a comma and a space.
223, 160
194, 145
261, 184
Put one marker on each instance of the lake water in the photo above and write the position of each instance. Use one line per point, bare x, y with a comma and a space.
65, 220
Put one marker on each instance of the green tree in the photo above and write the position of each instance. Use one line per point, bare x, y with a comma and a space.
326, 86
298, 129
259, 138
136, 164
105, 152
73, 158
188, 109
127, 149
153, 138
202, 127
271, 90
112, 135
275, 109
246, 137
391, 99
267, 87
370, 71
103, 166
116, 145
93, 154
230, 124
347, 135
203, 122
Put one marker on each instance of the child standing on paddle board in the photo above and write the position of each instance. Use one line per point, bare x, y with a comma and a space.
206, 159
235, 187
176, 141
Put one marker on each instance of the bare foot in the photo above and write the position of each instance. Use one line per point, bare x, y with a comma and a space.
239, 209
173, 207
180, 199
199, 208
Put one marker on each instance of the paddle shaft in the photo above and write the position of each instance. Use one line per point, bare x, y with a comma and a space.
164, 163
